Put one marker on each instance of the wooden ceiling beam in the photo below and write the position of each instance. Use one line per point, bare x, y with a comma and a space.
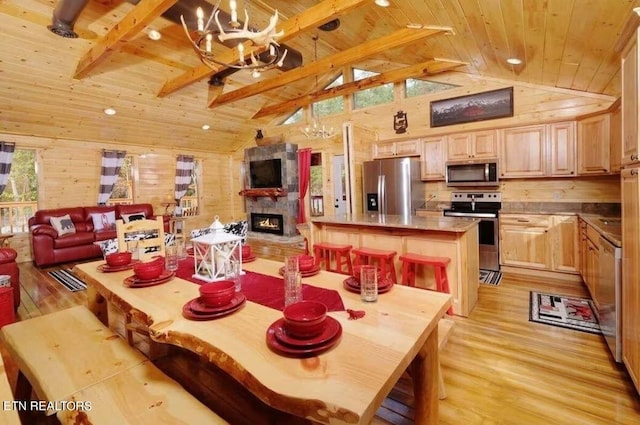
430, 67
354, 54
134, 22
311, 18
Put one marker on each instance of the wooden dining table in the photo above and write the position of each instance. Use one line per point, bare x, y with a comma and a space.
344, 385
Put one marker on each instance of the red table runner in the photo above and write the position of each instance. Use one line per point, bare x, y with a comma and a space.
269, 290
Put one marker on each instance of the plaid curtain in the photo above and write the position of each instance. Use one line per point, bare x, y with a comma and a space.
184, 169
111, 163
6, 155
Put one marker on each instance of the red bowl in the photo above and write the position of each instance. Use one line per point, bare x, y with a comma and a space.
150, 270
357, 270
246, 251
305, 262
304, 319
118, 259
216, 294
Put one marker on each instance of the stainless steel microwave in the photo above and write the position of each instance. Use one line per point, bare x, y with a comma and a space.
472, 173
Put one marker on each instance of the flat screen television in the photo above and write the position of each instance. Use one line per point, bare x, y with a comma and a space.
266, 173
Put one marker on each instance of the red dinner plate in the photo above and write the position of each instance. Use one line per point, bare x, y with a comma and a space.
187, 313
105, 268
136, 282
248, 259
306, 273
281, 348
332, 329
198, 307
352, 285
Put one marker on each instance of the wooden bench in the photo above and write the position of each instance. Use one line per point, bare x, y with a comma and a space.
9, 416
71, 358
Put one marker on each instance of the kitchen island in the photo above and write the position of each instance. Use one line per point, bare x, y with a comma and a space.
456, 238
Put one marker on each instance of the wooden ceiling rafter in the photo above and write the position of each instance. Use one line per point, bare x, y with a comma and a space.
430, 67
338, 60
311, 18
135, 21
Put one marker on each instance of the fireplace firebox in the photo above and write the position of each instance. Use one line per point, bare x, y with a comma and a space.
267, 223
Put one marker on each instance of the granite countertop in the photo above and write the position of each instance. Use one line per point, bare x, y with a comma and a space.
608, 227
440, 224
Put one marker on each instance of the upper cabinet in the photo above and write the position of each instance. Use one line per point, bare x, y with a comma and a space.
593, 139
615, 140
546, 150
395, 149
474, 145
432, 165
630, 140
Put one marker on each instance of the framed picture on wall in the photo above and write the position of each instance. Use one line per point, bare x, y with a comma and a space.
475, 107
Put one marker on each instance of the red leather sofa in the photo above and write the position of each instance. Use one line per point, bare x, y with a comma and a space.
48, 248
8, 266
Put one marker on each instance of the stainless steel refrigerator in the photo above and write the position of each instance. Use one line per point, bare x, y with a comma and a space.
392, 186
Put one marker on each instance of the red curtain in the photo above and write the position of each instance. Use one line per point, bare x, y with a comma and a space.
304, 171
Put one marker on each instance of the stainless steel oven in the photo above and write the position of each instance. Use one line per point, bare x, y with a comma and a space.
485, 206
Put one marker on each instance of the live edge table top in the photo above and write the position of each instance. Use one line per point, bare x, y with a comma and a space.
344, 385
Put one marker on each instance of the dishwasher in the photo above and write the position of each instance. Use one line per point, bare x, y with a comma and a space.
608, 296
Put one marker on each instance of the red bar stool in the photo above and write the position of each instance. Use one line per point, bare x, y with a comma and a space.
341, 254
383, 258
410, 262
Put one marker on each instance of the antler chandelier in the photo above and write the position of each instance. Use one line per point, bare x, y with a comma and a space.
265, 40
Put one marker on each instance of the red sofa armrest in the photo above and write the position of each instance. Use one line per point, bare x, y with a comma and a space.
44, 230
7, 255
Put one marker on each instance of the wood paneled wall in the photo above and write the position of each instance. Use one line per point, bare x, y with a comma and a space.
69, 175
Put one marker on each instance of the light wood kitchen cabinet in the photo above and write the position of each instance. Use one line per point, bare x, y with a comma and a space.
525, 241
592, 260
562, 149
523, 151
432, 164
615, 138
593, 139
544, 242
396, 149
630, 272
475, 145
583, 247
565, 246
630, 122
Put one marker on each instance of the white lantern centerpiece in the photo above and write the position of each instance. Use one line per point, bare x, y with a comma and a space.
214, 251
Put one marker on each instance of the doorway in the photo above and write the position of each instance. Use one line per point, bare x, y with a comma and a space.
339, 185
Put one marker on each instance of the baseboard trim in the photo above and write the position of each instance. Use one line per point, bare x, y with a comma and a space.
542, 273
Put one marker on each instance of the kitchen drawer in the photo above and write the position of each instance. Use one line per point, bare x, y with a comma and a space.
525, 220
593, 235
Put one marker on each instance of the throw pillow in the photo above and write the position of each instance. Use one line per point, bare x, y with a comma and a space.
104, 221
108, 246
63, 225
133, 217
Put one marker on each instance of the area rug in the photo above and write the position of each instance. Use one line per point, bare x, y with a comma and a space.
566, 312
490, 277
67, 279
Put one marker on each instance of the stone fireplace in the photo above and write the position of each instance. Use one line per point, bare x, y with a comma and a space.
272, 207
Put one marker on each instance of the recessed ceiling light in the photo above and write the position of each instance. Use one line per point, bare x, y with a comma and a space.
206, 127
110, 111
154, 34
382, 3
514, 61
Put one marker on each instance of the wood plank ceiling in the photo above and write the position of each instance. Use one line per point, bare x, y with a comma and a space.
56, 87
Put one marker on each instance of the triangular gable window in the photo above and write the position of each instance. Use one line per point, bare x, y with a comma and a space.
417, 87
373, 96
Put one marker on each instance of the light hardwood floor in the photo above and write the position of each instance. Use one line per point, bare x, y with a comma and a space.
498, 367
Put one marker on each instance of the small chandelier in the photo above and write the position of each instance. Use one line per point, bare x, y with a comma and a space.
317, 130
265, 39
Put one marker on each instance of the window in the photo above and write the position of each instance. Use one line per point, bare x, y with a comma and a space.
122, 192
19, 201
414, 87
295, 117
189, 202
373, 96
330, 106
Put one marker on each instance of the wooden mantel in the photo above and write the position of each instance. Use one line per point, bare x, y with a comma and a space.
273, 193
